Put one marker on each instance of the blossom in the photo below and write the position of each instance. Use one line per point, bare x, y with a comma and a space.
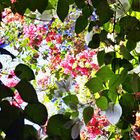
17, 100
35, 34
53, 37
81, 64
13, 1
8, 16
42, 79
10, 80
96, 125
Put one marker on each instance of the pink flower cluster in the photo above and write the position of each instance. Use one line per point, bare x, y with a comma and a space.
96, 126
53, 37
55, 57
35, 34
8, 16
42, 79
17, 101
81, 64
11, 80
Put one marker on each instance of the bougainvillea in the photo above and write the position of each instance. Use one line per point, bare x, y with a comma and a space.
75, 76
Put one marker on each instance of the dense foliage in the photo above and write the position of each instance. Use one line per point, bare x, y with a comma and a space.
74, 73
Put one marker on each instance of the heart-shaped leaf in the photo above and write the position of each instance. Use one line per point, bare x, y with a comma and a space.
102, 103
113, 113
81, 24
36, 113
62, 9
87, 114
27, 92
56, 127
24, 72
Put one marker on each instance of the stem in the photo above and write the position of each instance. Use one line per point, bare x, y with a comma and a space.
113, 32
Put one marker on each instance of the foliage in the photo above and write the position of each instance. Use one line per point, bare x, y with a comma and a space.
57, 60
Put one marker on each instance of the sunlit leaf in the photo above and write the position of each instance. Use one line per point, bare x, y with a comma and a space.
105, 73
95, 84
102, 103
71, 100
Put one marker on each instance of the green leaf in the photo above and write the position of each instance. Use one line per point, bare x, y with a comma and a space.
135, 83
71, 2
27, 92
130, 27
105, 73
127, 101
126, 54
8, 115
129, 105
20, 7
126, 64
92, 24
112, 95
24, 72
71, 100
95, 42
117, 63
81, 24
128, 81
0, 62
87, 11
100, 57
56, 127
103, 35
62, 9
30, 132
109, 57
117, 79
5, 92
130, 45
80, 3
102, 103
87, 114
126, 136
103, 10
95, 84
34, 4
36, 113
15, 131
